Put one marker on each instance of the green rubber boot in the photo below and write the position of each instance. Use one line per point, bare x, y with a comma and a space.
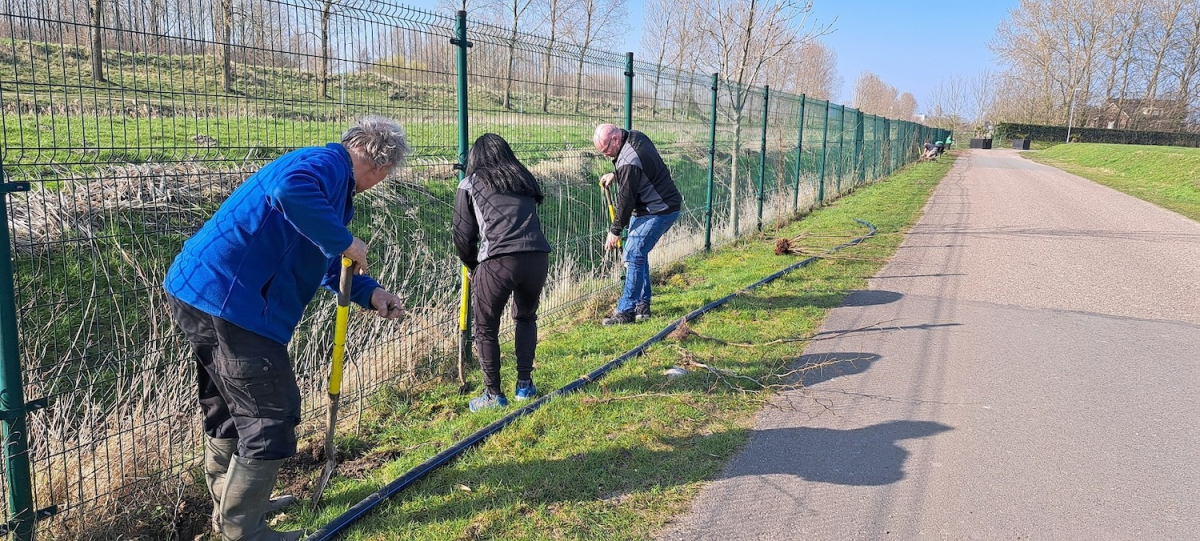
247, 500
217, 453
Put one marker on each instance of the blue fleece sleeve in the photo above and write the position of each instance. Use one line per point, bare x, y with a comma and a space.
307, 199
361, 286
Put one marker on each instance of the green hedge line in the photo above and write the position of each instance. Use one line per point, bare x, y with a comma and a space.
1005, 131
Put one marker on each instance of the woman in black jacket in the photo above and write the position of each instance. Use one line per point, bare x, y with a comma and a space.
499, 237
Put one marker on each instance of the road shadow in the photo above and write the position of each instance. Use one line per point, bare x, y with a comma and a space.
867, 456
871, 297
821, 367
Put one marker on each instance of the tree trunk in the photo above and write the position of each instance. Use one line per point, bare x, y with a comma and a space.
579, 78
512, 53
546, 62
95, 9
1188, 74
1159, 55
227, 37
326, 11
508, 78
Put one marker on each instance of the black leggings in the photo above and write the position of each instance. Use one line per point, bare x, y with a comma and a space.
521, 276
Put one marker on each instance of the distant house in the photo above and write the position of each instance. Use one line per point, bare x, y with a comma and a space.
1140, 114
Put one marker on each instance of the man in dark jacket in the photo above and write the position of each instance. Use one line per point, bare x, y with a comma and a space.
647, 202
238, 289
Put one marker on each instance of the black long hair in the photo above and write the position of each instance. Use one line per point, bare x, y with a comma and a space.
492, 162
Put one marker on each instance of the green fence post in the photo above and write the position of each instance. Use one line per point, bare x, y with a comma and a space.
12, 390
712, 159
762, 156
824, 154
860, 162
628, 91
841, 149
799, 157
460, 40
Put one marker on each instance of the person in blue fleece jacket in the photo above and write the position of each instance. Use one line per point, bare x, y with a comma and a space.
237, 290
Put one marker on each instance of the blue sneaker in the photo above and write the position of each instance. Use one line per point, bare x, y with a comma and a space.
525, 390
487, 401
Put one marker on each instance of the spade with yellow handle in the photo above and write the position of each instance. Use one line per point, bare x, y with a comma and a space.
464, 330
335, 376
612, 217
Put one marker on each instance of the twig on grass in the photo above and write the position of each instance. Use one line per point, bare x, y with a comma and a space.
684, 330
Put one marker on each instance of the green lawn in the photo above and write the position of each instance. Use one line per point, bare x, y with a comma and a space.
1166, 176
629, 452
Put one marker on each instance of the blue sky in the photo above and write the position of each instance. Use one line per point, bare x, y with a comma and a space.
911, 46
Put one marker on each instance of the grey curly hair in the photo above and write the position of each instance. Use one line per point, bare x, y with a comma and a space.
378, 139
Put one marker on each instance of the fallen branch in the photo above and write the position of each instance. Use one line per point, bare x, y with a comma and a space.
683, 330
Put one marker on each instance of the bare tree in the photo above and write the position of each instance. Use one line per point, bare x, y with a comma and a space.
809, 68
556, 12
873, 96
96, 14
657, 29
948, 101
906, 107
684, 58
1054, 44
1120, 56
983, 94
1164, 36
596, 27
1187, 64
326, 13
1130, 51
515, 10
223, 30
740, 38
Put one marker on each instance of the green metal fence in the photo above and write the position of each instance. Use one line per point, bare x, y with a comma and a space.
125, 127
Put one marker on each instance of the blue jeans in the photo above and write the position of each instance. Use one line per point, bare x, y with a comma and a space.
644, 232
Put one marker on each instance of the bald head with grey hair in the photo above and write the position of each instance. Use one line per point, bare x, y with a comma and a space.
377, 146
382, 141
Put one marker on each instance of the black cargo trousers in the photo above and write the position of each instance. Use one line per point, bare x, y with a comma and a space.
521, 276
246, 384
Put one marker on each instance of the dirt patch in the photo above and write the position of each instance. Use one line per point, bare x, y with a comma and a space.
359, 468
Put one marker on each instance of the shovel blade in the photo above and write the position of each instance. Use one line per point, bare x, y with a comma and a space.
330, 465
330, 450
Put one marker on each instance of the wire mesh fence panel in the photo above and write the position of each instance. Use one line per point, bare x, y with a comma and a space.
783, 121
674, 110
545, 97
133, 122
130, 151
813, 149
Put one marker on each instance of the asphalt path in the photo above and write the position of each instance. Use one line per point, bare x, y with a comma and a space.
1026, 367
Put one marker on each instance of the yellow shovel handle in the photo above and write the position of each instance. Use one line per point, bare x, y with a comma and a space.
339, 332
612, 211
464, 299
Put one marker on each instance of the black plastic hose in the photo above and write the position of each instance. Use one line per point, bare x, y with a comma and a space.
343, 521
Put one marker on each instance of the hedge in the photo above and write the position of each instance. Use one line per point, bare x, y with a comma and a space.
1006, 130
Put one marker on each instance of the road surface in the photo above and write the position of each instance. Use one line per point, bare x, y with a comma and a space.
1034, 374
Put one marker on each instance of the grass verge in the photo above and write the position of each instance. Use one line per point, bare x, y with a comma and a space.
621, 458
1166, 176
